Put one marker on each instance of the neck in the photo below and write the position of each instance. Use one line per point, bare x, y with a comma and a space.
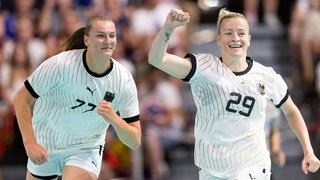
235, 64
97, 65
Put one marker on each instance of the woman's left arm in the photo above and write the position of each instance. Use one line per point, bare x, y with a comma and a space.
310, 162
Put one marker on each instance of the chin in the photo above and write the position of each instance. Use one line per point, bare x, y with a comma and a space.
107, 53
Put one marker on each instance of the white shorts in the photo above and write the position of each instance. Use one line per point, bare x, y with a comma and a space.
89, 159
248, 173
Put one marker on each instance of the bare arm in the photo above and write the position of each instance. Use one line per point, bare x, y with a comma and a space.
158, 57
310, 162
22, 102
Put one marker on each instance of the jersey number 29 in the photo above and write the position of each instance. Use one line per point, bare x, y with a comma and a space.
246, 101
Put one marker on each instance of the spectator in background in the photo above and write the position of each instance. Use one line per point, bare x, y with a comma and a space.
122, 57
298, 16
70, 23
36, 47
6, 129
6, 116
13, 73
59, 17
310, 50
270, 12
25, 8
162, 119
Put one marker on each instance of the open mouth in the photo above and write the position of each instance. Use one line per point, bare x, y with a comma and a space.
235, 46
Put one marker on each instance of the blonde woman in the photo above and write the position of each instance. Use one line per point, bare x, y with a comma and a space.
231, 95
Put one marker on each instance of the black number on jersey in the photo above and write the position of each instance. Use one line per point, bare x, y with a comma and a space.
247, 102
91, 106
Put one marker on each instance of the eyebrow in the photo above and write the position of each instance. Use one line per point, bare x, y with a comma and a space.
232, 30
102, 32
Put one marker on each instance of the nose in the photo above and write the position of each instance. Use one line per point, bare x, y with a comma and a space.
235, 37
106, 40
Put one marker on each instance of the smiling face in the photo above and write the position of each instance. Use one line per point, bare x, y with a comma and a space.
101, 39
234, 38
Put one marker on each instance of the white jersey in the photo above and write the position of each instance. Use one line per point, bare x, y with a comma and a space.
230, 115
65, 114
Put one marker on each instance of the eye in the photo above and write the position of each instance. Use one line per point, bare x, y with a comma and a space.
112, 36
100, 35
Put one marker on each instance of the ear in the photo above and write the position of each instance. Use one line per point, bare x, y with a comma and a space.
218, 39
85, 40
249, 40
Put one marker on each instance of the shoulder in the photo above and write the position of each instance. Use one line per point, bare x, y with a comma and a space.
256, 66
202, 64
120, 68
71, 54
203, 59
63, 59
202, 56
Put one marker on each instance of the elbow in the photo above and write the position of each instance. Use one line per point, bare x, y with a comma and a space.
135, 145
156, 58
156, 61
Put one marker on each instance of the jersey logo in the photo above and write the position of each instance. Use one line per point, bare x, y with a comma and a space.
261, 89
109, 96
91, 90
94, 163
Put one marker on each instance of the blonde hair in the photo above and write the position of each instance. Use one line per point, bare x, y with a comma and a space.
226, 14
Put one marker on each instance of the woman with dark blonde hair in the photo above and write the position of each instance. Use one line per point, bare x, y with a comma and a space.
231, 95
76, 95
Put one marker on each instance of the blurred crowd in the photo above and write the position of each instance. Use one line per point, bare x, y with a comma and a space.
33, 30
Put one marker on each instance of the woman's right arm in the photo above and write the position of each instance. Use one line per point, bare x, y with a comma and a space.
158, 57
22, 102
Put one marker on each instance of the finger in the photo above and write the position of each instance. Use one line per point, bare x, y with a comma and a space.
173, 13
177, 15
36, 162
184, 17
44, 159
304, 168
313, 168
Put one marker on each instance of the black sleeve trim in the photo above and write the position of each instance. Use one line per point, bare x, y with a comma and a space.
132, 119
30, 89
284, 99
193, 67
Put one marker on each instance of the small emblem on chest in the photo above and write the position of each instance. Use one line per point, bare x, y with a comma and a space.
260, 88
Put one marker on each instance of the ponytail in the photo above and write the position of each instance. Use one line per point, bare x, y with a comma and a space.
75, 41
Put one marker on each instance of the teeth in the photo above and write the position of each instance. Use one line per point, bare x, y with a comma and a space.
235, 46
